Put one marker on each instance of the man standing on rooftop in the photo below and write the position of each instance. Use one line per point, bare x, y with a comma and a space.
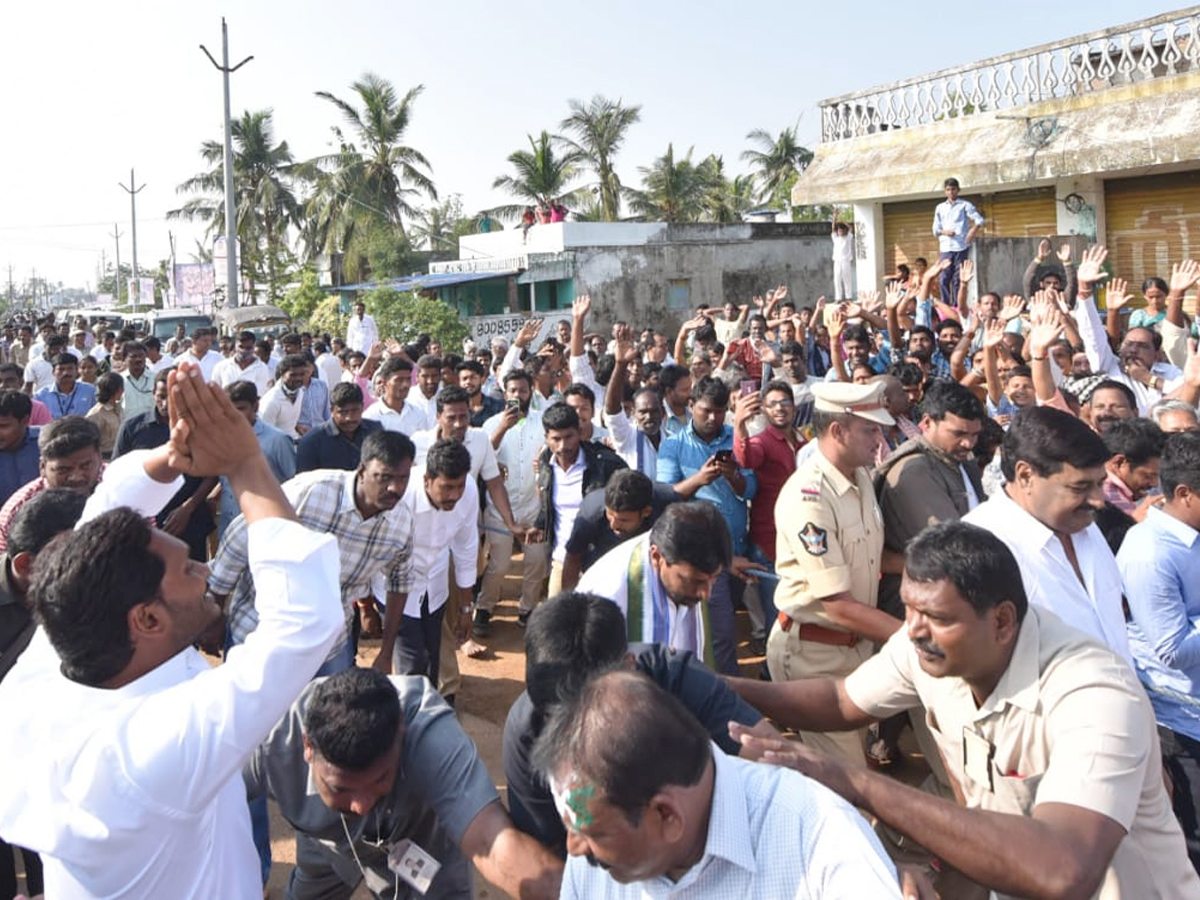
955, 223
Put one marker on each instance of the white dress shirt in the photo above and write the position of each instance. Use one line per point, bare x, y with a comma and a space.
137, 791
438, 537
329, 368
39, 372
477, 442
772, 833
278, 410
228, 372
361, 333
409, 420
207, 364
568, 494
139, 393
517, 451
632, 445
1094, 607
165, 361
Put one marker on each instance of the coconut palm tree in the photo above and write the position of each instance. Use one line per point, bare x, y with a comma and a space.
265, 203
672, 190
598, 131
777, 161
540, 174
367, 187
726, 201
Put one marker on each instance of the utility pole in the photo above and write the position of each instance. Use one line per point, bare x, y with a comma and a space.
133, 192
231, 297
116, 236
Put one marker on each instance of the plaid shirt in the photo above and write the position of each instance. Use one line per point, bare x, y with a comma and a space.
324, 502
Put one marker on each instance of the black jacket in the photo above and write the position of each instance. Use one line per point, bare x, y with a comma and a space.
599, 464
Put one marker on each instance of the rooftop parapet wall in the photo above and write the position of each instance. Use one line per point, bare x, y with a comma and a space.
1137, 52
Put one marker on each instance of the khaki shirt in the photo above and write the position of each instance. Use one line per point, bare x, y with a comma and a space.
829, 539
1067, 723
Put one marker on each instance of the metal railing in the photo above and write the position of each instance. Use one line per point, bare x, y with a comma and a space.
1161, 47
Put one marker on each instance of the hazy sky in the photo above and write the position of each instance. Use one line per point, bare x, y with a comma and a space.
91, 89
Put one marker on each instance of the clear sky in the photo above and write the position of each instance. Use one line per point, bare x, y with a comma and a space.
91, 89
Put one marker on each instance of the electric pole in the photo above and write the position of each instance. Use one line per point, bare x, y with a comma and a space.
133, 192
231, 297
116, 236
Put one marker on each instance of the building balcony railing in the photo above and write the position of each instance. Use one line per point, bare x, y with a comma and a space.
1161, 47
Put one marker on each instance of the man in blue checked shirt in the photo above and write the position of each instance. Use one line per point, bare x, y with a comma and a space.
1160, 568
955, 223
698, 461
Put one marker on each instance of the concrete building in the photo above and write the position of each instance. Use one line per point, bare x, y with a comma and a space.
1095, 136
646, 273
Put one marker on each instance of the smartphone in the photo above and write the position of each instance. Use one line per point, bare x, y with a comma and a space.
512, 404
749, 386
723, 456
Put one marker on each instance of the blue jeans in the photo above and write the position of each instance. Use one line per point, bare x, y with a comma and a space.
949, 277
766, 586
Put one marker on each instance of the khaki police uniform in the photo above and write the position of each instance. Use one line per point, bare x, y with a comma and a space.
1069, 723
829, 541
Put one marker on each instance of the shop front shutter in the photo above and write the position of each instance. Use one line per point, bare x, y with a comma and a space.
1153, 222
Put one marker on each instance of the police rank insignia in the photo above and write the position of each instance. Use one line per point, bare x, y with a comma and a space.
811, 493
816, 540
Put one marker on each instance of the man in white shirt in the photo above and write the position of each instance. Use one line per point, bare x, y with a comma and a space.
361, 331
843, 260
1053, 466
636, 442
39, 371
282, 404
201, 352
329, 367
139, 381
444, 504
155, 358
429, 383
393, 410
129, 745
691, 822
517, 437
244, 366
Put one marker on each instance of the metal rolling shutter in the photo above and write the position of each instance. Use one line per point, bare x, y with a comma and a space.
1153, 222
908, 227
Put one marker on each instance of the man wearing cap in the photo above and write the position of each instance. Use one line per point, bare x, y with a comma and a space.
829, 552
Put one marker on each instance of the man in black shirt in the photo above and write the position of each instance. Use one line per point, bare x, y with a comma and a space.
629, 505
337, 443
570, 638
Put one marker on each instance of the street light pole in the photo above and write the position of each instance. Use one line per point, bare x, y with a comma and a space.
231, 297
133, 232
116, 236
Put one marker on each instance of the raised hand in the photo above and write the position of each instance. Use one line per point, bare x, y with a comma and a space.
1014, 305
208, 435
869, 301
1117, 294
581, 307
1090, 271
893, 296
966, 271
1184, 275
1064, 254
528, 333
781, 293
766, 352
626, 350
835, 321
1191, 368
1046, 322
1044, 247
993, 334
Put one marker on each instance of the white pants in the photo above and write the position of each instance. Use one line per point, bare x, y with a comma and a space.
843, 280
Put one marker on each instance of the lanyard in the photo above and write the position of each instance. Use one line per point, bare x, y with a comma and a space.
58, 399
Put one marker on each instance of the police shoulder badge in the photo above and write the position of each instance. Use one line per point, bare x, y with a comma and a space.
816, 540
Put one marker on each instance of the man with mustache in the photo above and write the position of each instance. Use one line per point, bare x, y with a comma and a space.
1054, 474
1047, 734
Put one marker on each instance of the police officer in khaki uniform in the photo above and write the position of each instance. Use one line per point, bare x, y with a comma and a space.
829, 551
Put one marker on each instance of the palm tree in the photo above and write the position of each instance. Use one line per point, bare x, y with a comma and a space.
672, 191
540, 174
726, 201
778, 161
368, 186
599, 129
265, 204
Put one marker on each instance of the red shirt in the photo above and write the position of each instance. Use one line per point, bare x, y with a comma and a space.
773, 462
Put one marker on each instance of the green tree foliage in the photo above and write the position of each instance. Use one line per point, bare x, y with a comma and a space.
776, 161
405, 314
439, 226
596, 131
265, 202
368, 187
540, 174
673, 190
302, 299
327, 317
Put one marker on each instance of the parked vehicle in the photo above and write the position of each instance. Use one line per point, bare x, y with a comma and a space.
264, 321
162, 322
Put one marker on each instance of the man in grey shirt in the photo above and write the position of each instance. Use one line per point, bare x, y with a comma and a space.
365, 766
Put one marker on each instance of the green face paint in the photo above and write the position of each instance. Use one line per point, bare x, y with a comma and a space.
578, 799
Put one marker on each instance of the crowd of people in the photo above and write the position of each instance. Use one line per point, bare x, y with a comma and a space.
975, 519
